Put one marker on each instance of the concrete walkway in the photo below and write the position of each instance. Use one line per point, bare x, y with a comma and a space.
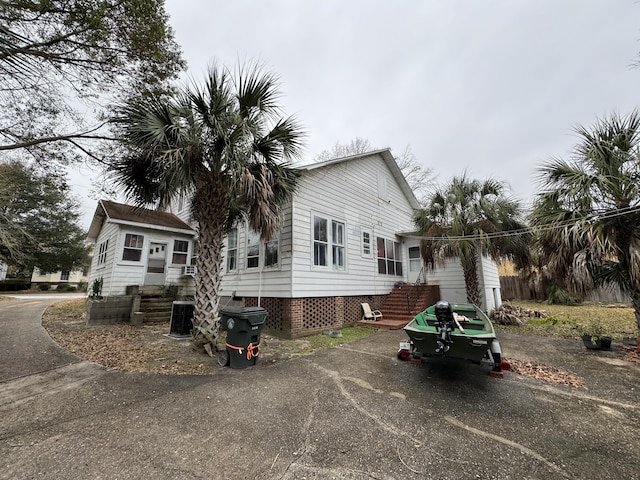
352, 412
25, 347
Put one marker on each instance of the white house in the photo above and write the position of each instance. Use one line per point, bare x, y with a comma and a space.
137, 246
61, 277
3, 270
341, 244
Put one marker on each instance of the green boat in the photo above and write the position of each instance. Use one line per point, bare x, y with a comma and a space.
458, 331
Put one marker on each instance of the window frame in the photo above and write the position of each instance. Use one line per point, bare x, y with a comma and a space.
338, 245
390, 255
251, 234
102, 253
366, 247
334, 244
129, 248
232, 250
184, 253
275, 240
413, 260
318, 243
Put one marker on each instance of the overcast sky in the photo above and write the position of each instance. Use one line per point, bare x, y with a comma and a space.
491, 87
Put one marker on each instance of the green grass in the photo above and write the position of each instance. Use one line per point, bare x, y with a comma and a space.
567, 321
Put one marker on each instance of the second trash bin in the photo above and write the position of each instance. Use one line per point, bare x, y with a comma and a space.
243, 326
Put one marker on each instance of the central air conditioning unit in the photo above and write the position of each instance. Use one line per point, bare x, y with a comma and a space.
189, 270
181, 318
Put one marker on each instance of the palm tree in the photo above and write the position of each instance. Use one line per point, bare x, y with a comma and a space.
589, 215
464, 221
225, 146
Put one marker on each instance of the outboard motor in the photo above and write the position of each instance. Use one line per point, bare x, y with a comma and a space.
445, 325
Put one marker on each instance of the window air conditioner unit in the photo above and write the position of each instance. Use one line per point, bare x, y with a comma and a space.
189, 270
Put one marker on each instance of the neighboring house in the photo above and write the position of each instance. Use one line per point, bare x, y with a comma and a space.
64, 277
341, 244
3, 270
137, 246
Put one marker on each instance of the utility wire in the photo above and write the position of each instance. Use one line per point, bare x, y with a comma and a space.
542, 228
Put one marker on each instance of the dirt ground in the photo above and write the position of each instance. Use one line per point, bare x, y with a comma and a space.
149, 348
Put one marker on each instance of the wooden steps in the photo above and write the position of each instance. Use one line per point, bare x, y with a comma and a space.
156, 309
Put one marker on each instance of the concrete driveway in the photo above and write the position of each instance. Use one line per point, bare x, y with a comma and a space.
346, 413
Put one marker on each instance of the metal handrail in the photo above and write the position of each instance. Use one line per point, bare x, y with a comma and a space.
414, 287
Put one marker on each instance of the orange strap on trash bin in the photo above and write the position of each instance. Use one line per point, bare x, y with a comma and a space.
252, 350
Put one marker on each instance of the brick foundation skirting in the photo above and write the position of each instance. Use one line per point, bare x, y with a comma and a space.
299, 317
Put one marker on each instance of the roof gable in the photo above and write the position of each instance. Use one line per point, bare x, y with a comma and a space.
389, 161
129, 214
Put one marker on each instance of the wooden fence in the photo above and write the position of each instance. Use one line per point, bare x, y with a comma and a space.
516, 288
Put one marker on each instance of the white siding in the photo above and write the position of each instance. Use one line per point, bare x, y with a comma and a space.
450, 279
347, 192
262, 281
117, 274
492, 297
181, 208
452, 285
109, 231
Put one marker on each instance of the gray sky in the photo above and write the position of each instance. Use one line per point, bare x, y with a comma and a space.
493, 87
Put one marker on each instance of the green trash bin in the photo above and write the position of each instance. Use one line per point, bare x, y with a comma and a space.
243, 326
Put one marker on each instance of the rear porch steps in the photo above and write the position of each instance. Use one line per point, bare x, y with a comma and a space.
397, 310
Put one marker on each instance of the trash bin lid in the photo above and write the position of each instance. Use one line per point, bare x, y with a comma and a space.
254, 315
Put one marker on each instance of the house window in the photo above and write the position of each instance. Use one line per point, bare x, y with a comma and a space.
180, 250
102, 252
64, 276
253, 249
232, 250
389, 259
366, 244
271, 252
329, 248
337, 245
415, 262
132, 247
320, 241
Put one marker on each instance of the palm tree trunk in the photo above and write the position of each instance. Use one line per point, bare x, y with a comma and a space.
208, 207
469, 263
208, 279
635, 301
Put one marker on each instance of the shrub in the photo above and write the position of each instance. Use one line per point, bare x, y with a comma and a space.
44, 287
96, 287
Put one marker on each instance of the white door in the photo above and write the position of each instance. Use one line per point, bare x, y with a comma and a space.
415, 265
156, 264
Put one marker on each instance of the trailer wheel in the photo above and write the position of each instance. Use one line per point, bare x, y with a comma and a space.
497, 362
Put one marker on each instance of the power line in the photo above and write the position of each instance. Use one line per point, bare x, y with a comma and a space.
542, 228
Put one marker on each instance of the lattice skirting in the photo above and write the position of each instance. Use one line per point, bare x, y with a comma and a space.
299, 317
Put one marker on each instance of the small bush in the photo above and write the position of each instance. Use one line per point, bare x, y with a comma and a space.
44, 287
96, 287
83, 286
65, 287
557, 295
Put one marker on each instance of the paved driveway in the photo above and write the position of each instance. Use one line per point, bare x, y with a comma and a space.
346, 413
